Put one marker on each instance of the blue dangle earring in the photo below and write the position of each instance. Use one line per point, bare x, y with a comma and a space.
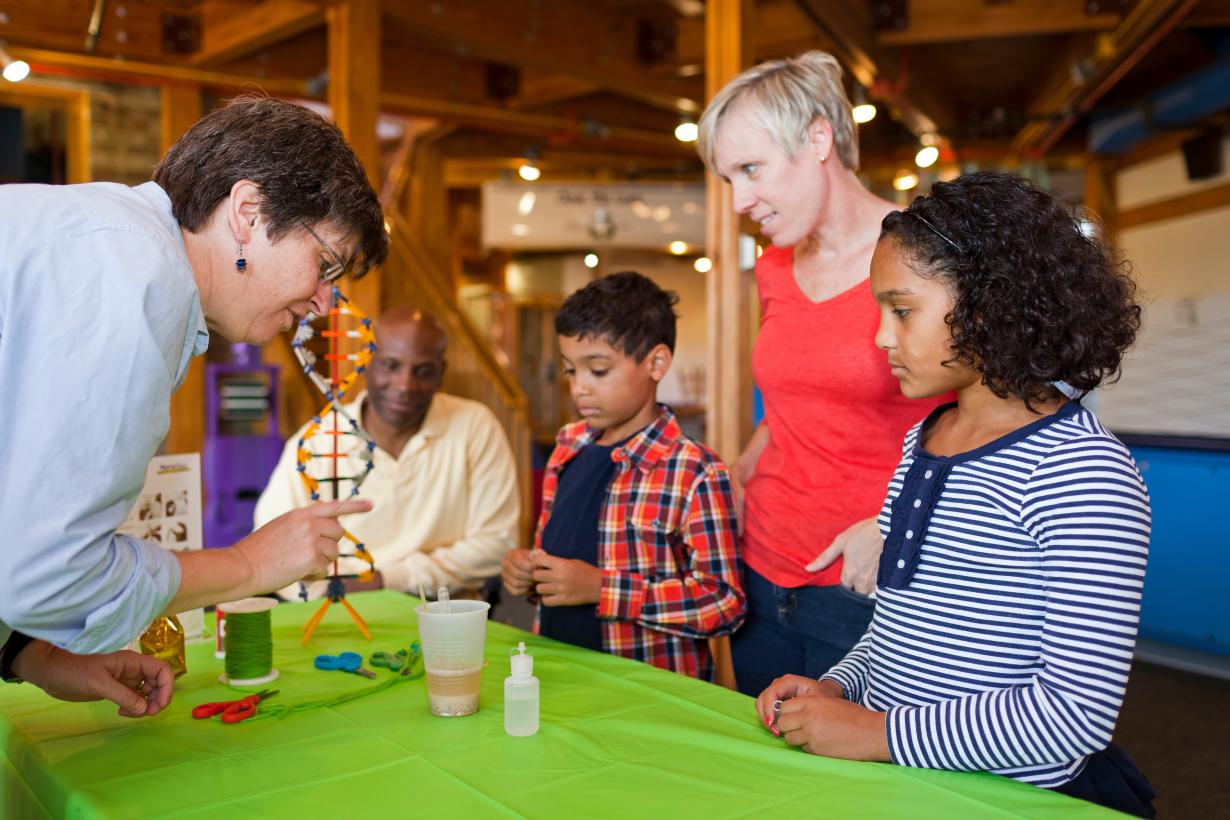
241, 264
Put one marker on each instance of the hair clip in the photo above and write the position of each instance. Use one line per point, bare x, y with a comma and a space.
936, 231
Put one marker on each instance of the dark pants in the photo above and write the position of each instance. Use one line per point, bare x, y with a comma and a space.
1111, 779
794, 631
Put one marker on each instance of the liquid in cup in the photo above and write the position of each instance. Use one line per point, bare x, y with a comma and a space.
453, 634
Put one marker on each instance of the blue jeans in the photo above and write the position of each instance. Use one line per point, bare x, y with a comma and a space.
799, 630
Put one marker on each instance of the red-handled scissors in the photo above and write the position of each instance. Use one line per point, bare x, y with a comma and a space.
232, 711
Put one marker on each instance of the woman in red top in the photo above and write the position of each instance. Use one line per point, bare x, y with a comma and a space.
815, 472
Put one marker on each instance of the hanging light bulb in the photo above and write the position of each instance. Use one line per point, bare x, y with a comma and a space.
863, 111
14, 70
678, 247
930, 151
529, 171
687, 130
591, 260
905, 180
703, 264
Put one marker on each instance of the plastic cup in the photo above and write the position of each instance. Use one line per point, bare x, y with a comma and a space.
453, 654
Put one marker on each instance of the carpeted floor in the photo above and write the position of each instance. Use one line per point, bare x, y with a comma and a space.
1176, 726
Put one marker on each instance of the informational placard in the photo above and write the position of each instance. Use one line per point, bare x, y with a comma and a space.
168, 513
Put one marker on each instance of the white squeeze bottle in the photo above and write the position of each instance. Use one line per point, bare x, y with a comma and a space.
521, 696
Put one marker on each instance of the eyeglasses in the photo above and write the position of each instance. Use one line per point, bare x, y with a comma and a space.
337, 269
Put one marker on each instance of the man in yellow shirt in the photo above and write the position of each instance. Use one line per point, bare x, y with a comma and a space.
443, 484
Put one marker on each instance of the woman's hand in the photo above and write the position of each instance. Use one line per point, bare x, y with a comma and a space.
140, 685
860, 545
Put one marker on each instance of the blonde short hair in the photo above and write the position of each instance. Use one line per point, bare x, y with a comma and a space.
784, 97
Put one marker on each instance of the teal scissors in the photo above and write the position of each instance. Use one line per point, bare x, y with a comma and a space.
345, 662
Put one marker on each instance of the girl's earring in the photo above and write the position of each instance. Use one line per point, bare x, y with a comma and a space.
241, 264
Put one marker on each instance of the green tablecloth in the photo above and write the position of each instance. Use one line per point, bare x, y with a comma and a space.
618, 739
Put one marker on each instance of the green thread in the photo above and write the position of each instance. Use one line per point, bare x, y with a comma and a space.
283, 710
249, 645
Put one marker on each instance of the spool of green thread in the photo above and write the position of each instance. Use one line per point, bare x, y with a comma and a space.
249, 642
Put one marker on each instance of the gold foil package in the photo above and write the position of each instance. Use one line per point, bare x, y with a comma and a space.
165, 639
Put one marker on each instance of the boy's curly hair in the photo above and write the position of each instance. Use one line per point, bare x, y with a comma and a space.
626, 310
1036, 300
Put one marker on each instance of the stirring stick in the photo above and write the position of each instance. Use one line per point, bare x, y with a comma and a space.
422, 594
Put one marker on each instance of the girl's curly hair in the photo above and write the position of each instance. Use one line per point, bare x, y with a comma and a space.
1036, 300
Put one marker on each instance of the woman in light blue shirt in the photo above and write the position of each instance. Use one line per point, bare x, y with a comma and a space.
106, 292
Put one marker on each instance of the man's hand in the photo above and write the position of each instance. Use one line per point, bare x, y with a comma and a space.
834, 727
140, 685
565, 581
516, 572
792, 686
297, 545
861, 545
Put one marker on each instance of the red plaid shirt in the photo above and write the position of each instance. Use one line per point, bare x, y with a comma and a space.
666, 546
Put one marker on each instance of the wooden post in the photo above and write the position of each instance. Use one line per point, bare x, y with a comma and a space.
181, 107
354, 96
729, 384
728, 416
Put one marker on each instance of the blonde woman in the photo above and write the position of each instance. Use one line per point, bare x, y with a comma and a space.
814, 473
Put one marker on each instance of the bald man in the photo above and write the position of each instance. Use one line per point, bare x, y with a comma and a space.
443, 485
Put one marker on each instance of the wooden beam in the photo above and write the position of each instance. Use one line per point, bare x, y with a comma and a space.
1203, 199
945, 21
60, 63
231, 30
1101, 198
781, 30
354, 97
61, 25
848, 25
597, 46
1074, 87
181, 107
728, 369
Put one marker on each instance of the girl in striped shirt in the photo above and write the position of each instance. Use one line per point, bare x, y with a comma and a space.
1016, 527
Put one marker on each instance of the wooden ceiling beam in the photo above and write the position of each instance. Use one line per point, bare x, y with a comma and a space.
595, 46
848, 26
230, 30
944, 21
1075, 86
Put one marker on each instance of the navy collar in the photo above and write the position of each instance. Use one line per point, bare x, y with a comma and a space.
1066, 411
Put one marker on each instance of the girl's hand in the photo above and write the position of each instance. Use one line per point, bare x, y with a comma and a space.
860, 544
834, 727
565, 581
792, 686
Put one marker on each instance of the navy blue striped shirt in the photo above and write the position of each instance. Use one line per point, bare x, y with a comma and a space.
1008, 601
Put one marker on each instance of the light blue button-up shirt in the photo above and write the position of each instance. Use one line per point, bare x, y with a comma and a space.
99, 317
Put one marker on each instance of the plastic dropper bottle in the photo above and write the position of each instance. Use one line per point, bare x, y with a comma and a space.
521, 696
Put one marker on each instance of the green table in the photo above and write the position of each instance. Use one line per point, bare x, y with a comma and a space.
618, 739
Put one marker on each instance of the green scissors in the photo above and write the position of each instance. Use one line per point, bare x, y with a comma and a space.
401, 661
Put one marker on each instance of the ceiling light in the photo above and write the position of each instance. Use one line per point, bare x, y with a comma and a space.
863, 110
14, 70
679, 248
905, 180
591, 260
686, 130
529, 172
703, 264
926, 156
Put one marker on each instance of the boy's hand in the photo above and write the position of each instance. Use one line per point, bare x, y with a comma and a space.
564, 581
834, 727
516, 572
792, 686
140, 685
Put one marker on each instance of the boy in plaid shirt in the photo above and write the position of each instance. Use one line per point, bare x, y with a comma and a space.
637, 518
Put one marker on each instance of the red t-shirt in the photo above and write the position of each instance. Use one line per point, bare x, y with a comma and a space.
836, 421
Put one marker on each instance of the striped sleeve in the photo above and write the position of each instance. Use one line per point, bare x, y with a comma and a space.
1087, 508
851, 671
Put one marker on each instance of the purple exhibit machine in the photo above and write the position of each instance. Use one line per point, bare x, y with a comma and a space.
242, 441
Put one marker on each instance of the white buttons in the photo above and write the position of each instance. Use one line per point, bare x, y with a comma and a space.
927, 474
900, 563
909, 533
917, 503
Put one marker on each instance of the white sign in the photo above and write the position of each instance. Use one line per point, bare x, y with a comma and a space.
616, 215
168, 512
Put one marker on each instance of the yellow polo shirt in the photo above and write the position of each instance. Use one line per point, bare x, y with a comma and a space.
445, 509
